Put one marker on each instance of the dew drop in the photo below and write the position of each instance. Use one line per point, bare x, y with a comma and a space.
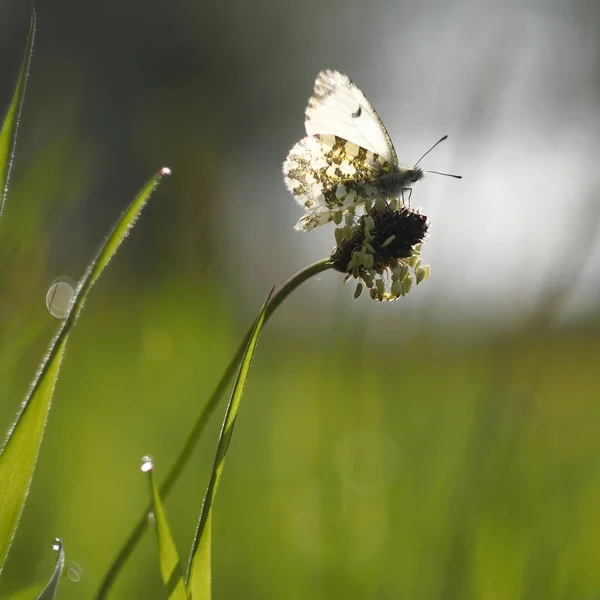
74, 572
56, 544
147, 464
151, 518
60, 295
165, 171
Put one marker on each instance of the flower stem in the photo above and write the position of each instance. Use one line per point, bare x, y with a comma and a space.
200, 424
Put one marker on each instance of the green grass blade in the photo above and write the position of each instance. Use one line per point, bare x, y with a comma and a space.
10, 125
19, 453
49, 592
170, 565
185, 453
199, 571
200, 583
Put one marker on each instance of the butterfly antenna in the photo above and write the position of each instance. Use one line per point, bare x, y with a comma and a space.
430, 149
445, 174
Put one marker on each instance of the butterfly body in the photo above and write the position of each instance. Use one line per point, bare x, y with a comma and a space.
399, 178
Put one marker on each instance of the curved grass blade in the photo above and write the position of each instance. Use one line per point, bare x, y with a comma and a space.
49, 592
19, 453
185, 453
199, 568
170, 565
10, 125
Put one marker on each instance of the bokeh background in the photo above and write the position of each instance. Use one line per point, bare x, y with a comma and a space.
444, 446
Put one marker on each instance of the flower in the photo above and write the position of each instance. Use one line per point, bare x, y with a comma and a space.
381, 249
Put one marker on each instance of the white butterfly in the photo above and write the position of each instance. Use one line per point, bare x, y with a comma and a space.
347, 156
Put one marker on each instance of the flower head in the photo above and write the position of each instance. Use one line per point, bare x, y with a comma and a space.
381, 249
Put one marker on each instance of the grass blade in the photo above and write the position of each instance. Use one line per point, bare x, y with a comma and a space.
170, 565
199, 568
49, 592
19, 453
10, 125
186, 451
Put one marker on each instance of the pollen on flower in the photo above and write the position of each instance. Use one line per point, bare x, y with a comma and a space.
382, 251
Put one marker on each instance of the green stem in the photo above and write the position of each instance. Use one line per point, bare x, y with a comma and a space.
201, 422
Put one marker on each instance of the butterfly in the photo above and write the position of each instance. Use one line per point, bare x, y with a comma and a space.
347, 156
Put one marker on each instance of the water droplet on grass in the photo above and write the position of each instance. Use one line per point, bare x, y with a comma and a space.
147, 464
74, 572
60, 295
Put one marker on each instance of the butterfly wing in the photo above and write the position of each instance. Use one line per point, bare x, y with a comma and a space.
327, 173
338, 107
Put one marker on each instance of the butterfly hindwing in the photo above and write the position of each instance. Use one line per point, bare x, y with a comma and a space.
326, 173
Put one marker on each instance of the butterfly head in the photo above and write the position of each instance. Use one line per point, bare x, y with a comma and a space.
413, 175
400, 178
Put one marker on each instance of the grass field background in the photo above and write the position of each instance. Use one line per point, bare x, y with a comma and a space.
357, 470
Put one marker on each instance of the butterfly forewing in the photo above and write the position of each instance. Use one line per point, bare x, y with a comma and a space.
338, 107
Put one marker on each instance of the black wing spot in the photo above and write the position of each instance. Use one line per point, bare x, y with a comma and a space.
357, 113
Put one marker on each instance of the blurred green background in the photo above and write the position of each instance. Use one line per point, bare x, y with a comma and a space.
441, 447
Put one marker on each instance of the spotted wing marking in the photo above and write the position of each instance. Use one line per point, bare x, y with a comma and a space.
326, 173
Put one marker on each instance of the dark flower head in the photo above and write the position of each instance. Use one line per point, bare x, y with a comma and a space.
381, 249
